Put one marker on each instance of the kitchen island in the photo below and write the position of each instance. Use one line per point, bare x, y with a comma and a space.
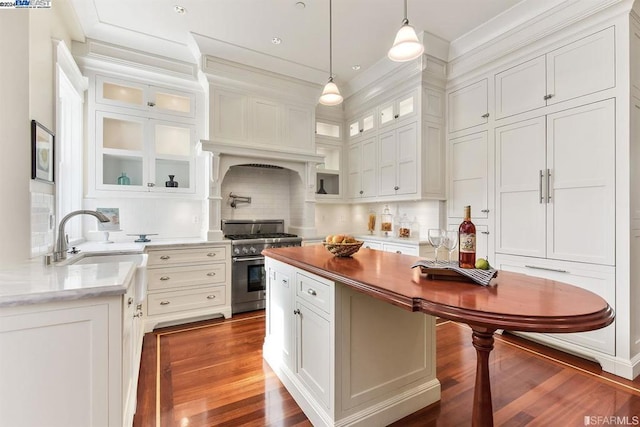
513, 301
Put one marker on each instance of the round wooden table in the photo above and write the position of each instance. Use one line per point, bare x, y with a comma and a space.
513, 301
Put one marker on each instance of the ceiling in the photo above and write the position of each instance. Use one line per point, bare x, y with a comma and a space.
242, 30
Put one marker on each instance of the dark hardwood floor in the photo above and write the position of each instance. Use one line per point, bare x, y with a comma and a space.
212, 374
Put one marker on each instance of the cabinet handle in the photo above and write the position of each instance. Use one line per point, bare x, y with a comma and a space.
361, 130
368, 247
165, 302
311, 292
212, 254
485, 115
484, 232
548, 96
211, 297
396, 188
285, 281
164, 278
130, 301
211, 274
165, 257
150, 184
557, 270
485, 211
151, 104
296, 311
540, 187
398, 252
548, 186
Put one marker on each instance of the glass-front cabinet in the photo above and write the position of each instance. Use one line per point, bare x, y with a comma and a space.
328, 173
397, 109
145, 138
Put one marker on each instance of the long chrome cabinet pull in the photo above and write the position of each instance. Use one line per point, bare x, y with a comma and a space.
540, 187
557, 270
548, 186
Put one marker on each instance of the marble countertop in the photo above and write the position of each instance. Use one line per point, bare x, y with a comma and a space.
33, 282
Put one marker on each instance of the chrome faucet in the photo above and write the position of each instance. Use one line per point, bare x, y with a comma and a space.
60, 251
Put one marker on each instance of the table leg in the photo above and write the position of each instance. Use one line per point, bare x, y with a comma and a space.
482, 407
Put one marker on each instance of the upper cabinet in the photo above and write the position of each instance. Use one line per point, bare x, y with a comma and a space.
469, 106
329, 174
145, 138
362, 125
242, 118
398, 109
577, 69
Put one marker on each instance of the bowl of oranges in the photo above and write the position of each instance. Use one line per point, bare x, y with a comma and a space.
342, 245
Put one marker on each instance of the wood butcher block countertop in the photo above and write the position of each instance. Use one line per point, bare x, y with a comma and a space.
513, 301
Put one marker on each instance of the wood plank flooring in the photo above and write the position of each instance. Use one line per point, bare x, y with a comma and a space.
212, 374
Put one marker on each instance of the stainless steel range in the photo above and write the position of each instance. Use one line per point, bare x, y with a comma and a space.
248, 277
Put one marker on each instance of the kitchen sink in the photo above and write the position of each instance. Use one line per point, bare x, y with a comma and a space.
139, 259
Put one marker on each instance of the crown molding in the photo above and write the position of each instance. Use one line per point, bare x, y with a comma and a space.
64, 60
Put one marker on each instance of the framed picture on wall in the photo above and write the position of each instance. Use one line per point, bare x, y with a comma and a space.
42, 142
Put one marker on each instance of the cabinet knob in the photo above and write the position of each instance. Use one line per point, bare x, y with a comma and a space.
211, 297
296, 311
361, 192
398, 252
311, 292
396, 188
165, 302
211, 254
130, 301
151, 104
396, 116
361, 130
485, 211
165, 257
165, 278
486, 115
211, 274
548, 96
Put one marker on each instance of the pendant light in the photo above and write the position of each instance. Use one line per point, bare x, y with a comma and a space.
406, 46
330, 94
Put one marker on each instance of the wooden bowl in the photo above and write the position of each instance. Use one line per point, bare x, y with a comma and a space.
343, 249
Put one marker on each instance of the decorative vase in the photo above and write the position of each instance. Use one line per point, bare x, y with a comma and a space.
124, 179
321, 190
171, 182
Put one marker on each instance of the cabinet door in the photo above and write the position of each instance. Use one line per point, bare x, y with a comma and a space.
280, 306
583, 67
520, 174
265, 122
172, 102
581, 199
521, 88
401, 249
468, 183
387, 149
172, 155
370, 244
298, 130
354, 156
314, 352
468, 106
230, 112
433, 160
407, 164
121, 93
398, 109
369, 167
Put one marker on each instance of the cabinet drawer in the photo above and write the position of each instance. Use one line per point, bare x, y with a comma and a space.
171, 277
401, 249
316, 291
186, 256
170, 302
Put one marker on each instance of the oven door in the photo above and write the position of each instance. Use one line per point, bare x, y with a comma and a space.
248, 282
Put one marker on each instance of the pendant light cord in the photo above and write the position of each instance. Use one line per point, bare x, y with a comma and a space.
406, 13
331, 45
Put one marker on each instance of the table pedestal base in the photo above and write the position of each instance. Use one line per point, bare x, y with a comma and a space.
482, 407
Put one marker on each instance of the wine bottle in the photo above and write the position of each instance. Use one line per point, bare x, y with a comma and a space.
467, 242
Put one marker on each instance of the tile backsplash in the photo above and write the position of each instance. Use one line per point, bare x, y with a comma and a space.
42, 223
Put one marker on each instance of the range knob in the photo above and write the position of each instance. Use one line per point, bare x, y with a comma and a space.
252, 250
236, 251
245, 251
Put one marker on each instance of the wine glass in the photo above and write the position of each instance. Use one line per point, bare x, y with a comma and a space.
436, 239
450, 241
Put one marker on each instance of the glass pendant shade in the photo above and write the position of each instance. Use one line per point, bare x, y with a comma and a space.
330, 94
406, 46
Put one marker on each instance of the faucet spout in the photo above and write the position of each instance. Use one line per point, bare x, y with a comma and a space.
60, 251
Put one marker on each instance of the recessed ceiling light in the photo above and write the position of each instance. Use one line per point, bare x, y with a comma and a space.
276, 40
355, 67
300, 5
179, 9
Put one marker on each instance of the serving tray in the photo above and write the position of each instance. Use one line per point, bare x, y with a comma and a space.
443, 270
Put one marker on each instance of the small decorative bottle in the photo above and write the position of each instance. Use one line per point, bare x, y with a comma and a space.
386, 221
124, 179
321, 190
171, 182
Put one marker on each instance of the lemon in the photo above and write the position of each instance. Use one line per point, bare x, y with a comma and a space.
482, 264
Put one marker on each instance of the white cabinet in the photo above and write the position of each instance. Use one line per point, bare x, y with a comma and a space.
469, 175
579, 68
255, 121
186, 282
468, 106
412, 250
329, 173
398, 109
363, 125
398, 159
77, 362
362, 158
280, 323
555, 185
371, 244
